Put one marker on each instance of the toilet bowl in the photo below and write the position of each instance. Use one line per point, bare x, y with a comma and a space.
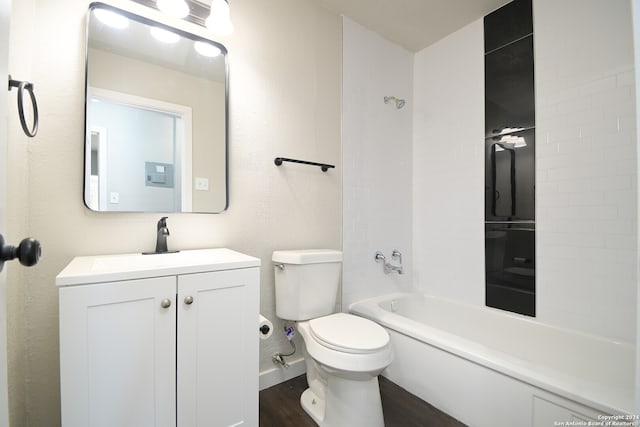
344, 353
344, 356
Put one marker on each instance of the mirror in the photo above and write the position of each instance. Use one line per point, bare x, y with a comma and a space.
155, 117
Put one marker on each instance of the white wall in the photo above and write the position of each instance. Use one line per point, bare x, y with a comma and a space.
285, 65
448, 166
585, 167
376, 141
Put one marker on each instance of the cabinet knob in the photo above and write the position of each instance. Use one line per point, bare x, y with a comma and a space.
188, 300
165, 303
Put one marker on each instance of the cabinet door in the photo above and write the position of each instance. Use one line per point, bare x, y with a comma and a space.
117, 354
218, 348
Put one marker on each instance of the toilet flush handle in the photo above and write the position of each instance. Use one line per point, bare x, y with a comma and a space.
280, 266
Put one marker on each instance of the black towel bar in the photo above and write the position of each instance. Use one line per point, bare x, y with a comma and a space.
325, 167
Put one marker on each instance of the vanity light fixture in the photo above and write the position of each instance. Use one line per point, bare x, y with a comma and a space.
206, 49
214, 17
112, 19
164, 36
175, 8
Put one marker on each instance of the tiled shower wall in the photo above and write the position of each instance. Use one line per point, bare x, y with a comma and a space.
448, 171
586, 166
376, 144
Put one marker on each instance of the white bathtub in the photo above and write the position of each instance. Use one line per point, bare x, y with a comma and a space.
491, 368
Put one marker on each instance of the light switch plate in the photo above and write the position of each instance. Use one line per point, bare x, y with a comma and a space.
202, 184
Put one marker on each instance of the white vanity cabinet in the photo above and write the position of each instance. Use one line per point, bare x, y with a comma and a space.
160, 340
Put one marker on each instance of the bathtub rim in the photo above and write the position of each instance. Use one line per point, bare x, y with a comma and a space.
579, 390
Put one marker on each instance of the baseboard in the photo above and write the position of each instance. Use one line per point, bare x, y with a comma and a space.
278, 374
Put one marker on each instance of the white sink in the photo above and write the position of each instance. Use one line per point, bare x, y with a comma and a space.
106, 268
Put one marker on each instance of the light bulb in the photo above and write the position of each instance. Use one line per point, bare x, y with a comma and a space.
175, 8
219, 20
219, 25
112, 19
164, 36
206, 49
219, 8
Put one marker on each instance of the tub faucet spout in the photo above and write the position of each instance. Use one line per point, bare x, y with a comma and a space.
388, 268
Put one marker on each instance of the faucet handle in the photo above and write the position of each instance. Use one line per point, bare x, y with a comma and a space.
396, 254
380, 257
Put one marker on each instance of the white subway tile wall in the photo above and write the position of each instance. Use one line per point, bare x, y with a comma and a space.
376, 150
587, 166
448, 159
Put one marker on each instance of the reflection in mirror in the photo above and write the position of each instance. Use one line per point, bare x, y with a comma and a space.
156, 117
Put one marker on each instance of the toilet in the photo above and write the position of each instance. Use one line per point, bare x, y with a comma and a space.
344, 354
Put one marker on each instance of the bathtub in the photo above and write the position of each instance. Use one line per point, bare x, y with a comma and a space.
491, 368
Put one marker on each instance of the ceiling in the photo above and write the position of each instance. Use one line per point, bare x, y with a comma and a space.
413, 24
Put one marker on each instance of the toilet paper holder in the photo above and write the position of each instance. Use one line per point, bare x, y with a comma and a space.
265, 327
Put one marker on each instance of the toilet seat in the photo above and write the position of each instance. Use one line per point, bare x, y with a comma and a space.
341, 356
348, 333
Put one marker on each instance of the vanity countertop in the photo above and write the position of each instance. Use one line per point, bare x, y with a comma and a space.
108, 268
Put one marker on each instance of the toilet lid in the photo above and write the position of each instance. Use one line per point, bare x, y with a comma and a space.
348, 333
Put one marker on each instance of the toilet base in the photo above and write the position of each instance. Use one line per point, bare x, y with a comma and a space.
348, 404
313, 406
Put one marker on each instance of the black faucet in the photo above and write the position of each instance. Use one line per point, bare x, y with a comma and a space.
163, 232
161, 239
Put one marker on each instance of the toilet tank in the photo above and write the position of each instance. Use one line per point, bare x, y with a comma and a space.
306, 282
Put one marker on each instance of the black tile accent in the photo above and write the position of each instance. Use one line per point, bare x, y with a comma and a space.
509, 87
510, 159
511, 22
510, 177
510, 266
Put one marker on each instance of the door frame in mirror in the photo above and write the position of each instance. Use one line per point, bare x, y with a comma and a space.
134, 101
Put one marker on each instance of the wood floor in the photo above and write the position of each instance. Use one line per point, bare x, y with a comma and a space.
280, 407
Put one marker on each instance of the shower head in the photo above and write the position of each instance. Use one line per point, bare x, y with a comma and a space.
399, 102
